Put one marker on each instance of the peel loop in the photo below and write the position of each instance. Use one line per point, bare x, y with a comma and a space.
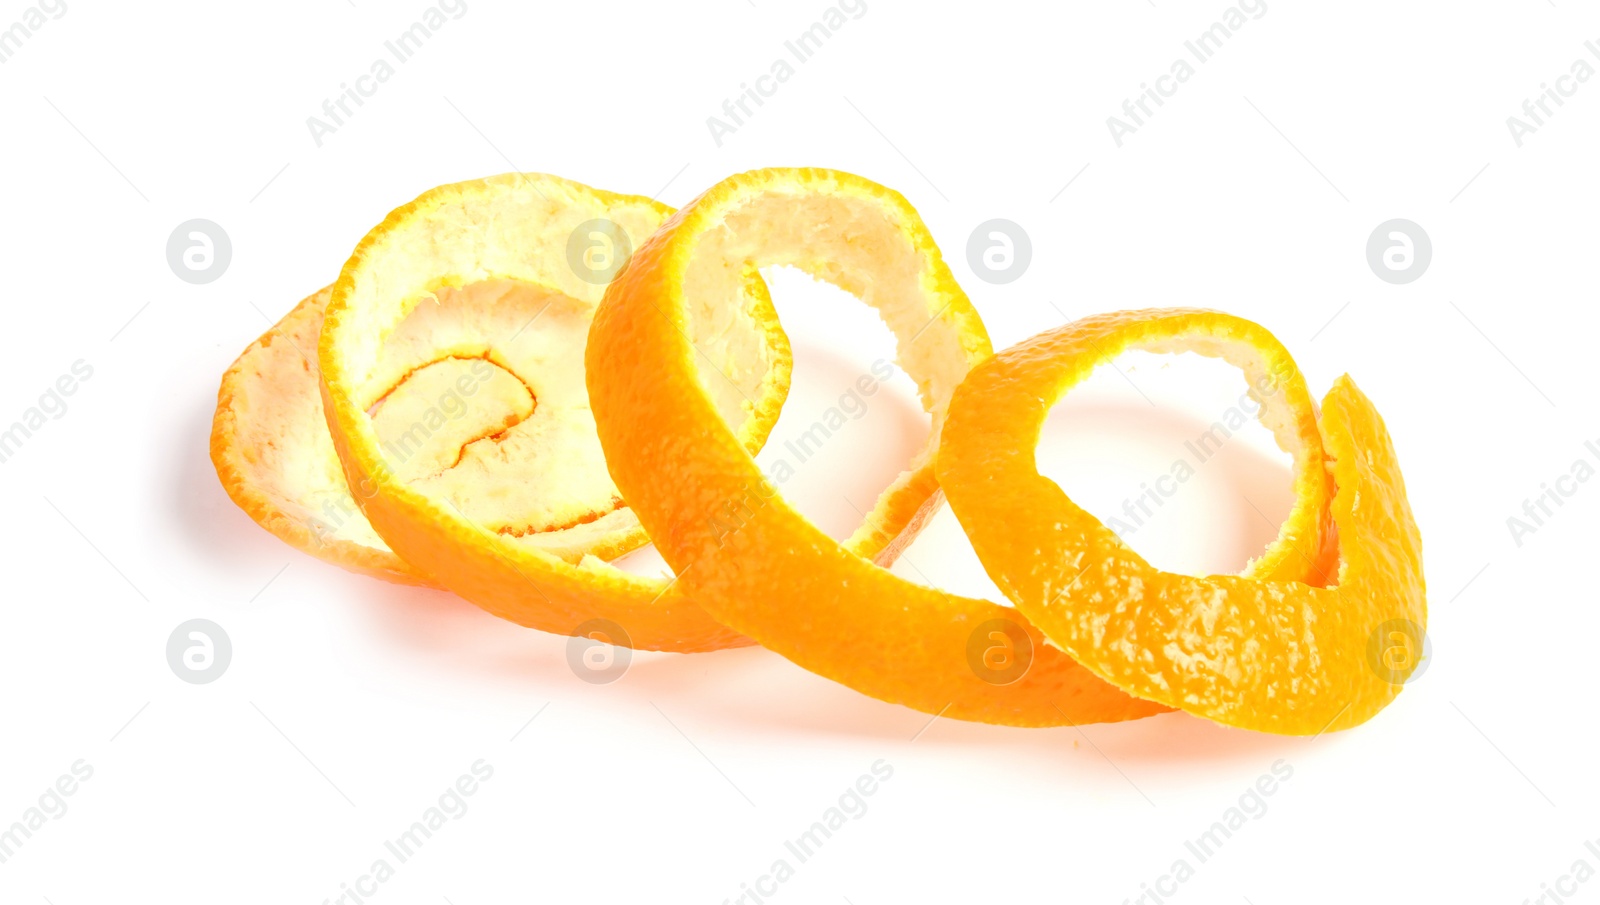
473, 289
1272, 649
821, 603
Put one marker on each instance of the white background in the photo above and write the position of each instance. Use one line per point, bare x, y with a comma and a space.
350, 704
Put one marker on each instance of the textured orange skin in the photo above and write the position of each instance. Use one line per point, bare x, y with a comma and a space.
1262, 651
526, 587
779, 579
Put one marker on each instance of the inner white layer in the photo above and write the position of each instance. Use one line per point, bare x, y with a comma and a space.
848, 239
479, 274
1276, 413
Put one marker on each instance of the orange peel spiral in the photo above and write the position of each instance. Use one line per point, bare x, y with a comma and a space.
822, 603
538, 559
487, 416
779, 579
1265, 650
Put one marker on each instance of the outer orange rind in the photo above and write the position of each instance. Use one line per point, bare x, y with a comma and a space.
526, 530
1260, 650
819, 602
461, 349
513, 233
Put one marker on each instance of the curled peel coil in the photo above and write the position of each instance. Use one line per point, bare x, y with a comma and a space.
684, 366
